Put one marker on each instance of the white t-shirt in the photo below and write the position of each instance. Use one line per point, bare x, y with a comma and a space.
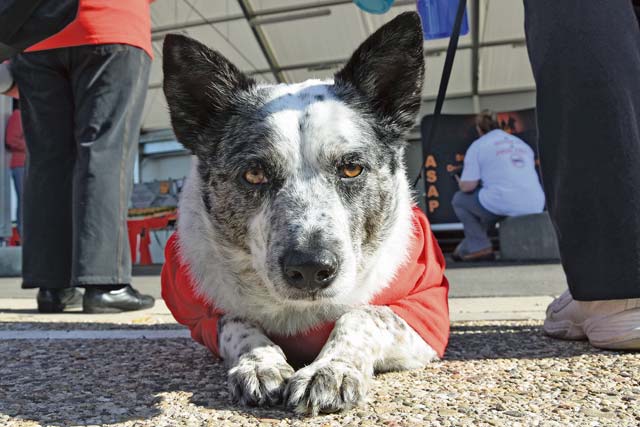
506, 166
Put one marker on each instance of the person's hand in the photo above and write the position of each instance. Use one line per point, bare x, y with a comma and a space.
13, 92
7, 85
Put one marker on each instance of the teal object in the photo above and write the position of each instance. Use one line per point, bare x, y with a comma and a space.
377, 7
438, 17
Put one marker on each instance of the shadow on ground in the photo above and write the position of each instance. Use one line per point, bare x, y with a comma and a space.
76, 325
509, 340
95, 382
62, 383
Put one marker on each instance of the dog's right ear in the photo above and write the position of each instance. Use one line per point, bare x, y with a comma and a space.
199, 84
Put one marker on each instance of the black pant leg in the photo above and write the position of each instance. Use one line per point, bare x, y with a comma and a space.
110, 84
585, 57
47, 114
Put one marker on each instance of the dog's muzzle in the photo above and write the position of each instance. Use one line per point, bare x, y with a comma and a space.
310, 271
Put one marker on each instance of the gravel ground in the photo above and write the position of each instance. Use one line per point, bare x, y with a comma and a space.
494, 374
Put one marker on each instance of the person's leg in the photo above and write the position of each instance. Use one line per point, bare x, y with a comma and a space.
47, 115
476, 221
18, 178
110, 84
585, 58
47, 119
586, 61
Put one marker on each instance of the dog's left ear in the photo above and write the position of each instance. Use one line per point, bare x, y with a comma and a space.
388, 70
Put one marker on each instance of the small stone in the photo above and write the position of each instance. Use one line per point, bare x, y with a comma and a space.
595, 413
517, 414
446, 412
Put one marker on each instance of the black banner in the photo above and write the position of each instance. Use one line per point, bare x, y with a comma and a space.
445, 157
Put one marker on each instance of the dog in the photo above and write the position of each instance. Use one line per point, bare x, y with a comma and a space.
297, 217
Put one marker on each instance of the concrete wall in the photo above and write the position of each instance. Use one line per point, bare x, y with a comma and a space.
503, 102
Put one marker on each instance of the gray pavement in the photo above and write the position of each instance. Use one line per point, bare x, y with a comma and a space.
506, 281
495, 280
476, 293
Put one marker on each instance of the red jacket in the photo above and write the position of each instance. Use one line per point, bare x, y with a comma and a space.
105, 22
418, 295
15, 140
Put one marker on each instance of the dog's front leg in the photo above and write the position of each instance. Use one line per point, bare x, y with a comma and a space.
258, 369
364, 340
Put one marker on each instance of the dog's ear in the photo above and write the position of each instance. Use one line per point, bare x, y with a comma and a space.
388, 70
199, 84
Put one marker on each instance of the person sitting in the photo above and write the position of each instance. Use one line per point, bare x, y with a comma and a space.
499, 179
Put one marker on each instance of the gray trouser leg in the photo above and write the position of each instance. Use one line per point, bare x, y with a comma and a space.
476, 220
110, 83
81, 126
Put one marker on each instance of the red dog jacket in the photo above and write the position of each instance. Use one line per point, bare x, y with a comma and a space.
418, 294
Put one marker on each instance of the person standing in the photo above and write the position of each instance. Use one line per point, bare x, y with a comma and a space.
499, 179
585, 58
82, 94
14, 141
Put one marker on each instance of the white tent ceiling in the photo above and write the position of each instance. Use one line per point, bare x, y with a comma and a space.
293, 40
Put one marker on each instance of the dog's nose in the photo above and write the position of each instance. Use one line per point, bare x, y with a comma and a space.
310, 271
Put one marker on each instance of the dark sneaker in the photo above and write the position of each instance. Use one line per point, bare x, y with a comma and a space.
486, 254
115, 301
57, 300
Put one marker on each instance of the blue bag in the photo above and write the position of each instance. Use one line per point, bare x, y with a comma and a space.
438, 17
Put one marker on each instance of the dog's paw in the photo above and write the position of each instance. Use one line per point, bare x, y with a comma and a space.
326, 387
259, 380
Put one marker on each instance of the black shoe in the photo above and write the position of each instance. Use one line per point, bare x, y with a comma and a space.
57, 300
115, 301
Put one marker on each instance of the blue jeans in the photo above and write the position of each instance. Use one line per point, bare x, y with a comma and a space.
476, 220
18, 179
81, 110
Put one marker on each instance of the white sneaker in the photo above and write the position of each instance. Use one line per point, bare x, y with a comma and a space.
612, 324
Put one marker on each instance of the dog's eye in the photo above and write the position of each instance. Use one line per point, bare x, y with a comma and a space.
255, 176
350, 170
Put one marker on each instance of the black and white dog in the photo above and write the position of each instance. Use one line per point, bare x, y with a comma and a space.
297, 212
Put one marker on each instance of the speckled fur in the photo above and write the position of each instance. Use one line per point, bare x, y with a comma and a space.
233, 235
